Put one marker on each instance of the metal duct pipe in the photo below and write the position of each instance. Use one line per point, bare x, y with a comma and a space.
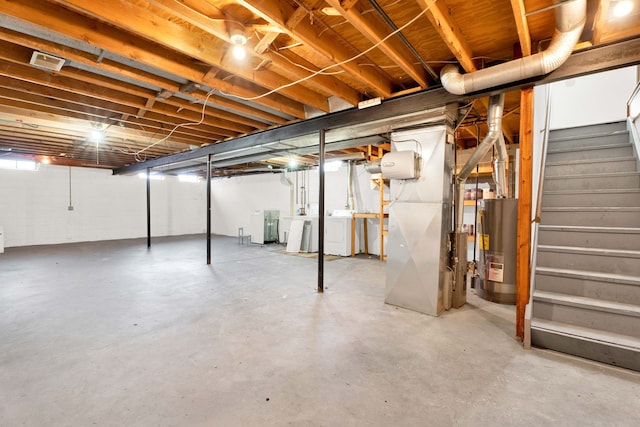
499, 167
351, 201
287, 181
373, 166
494, 122
570, 21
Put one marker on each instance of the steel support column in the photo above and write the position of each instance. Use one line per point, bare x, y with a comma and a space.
209, 209
321, 213
148, 207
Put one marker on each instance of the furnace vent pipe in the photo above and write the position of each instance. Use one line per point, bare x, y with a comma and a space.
570, 21
500, 167
494, 122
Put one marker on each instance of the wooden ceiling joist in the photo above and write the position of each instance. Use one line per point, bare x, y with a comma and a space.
64, 88
600, 20
375, 29
126, 73
137, 131
26, 102
519, 14
143, 22
449, 32
217, 28
278, 12
145, 70
85, 30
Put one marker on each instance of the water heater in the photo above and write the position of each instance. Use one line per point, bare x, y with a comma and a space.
497, 241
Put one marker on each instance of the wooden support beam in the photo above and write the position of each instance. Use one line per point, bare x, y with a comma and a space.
98, 84
296, 17
320, 82
169, 87
600, 21
142, 111
62, 115
449, 32
143, 22
64, 22
375, 29
70, 89
278, 13
265, 42
522, 26
348, 4
525, 194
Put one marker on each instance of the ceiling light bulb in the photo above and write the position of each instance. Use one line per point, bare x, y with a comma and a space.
622, 8
96, 135
238, 52
293, 163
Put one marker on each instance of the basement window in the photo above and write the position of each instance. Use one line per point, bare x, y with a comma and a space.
23, 165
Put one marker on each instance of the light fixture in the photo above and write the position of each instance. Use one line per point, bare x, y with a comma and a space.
622, 8
293, 162
238, 40
238, 52
96, 135
47, 62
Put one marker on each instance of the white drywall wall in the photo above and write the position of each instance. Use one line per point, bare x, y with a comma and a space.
593, 99
33, 206
234, 199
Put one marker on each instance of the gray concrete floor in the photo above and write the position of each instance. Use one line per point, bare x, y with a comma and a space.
111, 334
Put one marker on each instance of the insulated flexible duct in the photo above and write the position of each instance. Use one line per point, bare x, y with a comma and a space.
570, 21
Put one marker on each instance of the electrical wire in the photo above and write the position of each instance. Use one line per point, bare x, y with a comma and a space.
176, 127
310, 76
276, 52
338, 64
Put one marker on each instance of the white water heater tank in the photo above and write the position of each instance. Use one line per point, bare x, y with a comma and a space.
400, 165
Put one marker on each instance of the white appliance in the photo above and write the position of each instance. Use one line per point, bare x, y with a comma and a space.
263, 226
337, 234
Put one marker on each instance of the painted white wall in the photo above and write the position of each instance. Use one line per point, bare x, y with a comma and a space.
33, 206
234, 199
593, 99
